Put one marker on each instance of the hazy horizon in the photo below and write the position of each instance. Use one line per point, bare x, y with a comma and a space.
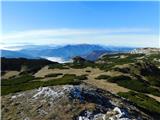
18, 47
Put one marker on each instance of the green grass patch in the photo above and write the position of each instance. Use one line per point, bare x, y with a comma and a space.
104, 66
134, 84
142, 101
153, 56
154, 80
18, 80
23, 83
66, 79
115, 59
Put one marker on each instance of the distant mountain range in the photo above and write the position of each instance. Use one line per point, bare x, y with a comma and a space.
67, 52
14, 54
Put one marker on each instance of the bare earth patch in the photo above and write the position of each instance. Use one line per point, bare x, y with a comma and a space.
9, 74
154, 97
111, 87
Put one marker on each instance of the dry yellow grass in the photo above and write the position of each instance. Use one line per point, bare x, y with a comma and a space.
9, 74
111, 87
45, 71
154, 97
94, 72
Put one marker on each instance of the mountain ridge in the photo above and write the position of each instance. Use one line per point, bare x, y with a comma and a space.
65, 52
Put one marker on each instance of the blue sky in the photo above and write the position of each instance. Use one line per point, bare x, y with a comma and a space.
109, 23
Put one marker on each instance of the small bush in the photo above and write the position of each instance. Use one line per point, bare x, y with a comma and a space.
82, 65
154, 80
102, 77
88, 71
119, 78
82, 77
53, 75
59, 66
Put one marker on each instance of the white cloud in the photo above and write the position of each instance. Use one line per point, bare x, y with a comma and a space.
56, 59
66, 32
140, 37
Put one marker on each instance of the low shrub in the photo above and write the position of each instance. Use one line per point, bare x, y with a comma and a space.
27, 83
59, 66
142, 101
154, 80
82, 77
18, 80
88, 71
82, 65
102, 77
134, 84
53, 75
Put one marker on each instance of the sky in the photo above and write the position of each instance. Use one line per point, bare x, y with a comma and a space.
107, 23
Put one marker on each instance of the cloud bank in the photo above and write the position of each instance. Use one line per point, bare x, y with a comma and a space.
56, 59
139, 37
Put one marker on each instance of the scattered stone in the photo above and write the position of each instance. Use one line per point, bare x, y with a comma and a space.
58, 103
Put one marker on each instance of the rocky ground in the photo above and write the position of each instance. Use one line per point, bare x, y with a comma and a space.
81, 102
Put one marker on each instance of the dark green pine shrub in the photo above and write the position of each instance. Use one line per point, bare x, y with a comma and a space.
53, 75
29, 82
57, 65
82, 77
102, 77
134, 84
143, 101
88, 71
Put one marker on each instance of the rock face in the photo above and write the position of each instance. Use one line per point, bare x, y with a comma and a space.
78, 60
146, 51
114, 114
68, 102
